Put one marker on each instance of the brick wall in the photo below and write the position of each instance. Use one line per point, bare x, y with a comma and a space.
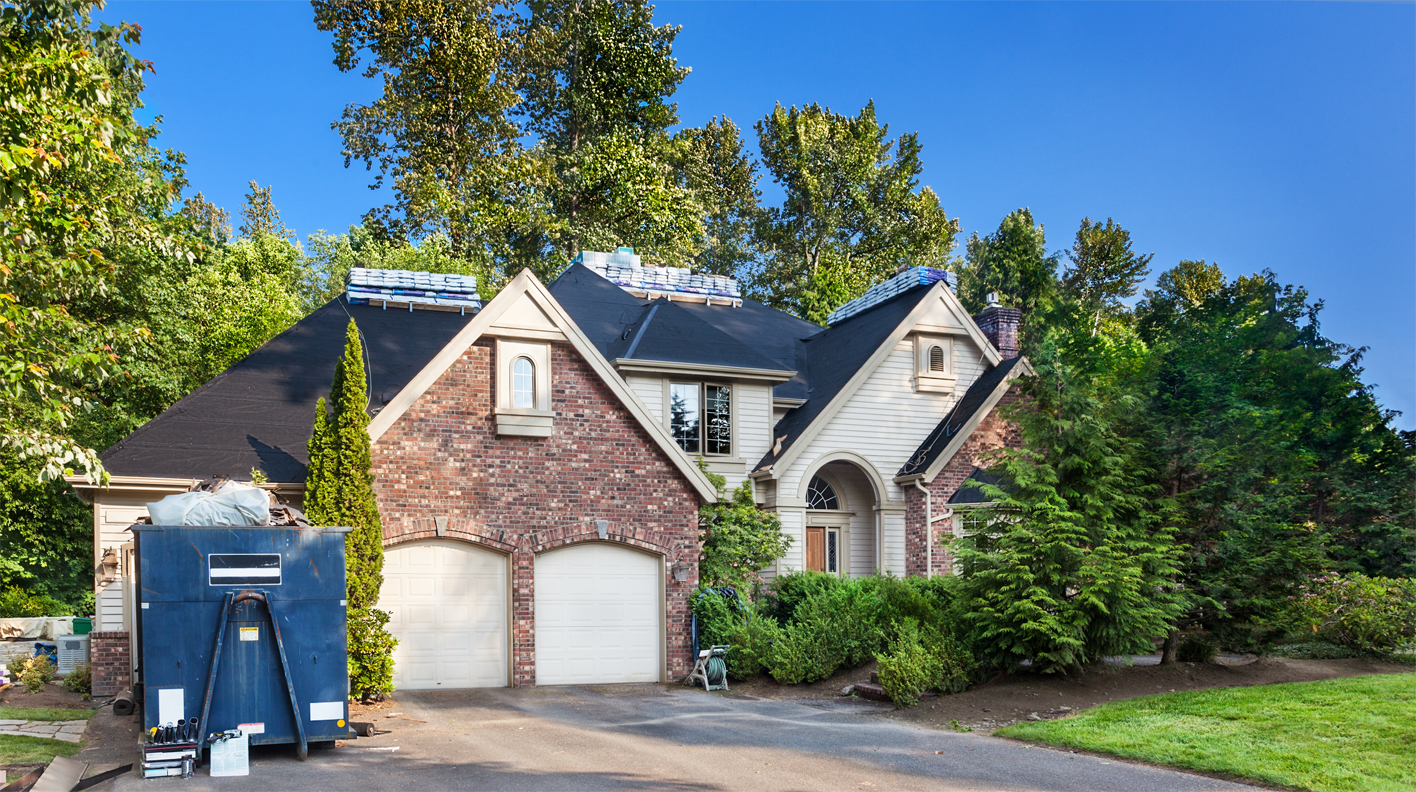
526, 495
992, 433
1001, 325
109, 662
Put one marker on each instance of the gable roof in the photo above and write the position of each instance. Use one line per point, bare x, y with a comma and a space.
525, 286
260, 412
971, 491
944, 441
665, 331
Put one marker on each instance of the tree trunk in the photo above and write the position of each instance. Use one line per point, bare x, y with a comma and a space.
1169, 649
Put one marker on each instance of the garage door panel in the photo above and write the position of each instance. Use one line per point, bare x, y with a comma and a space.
448, 606
597, 616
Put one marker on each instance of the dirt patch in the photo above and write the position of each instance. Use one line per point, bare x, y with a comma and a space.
52, 696
1009, 699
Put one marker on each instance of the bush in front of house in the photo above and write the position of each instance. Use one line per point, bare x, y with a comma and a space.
923, 658
17, 603
80, 681
1368, 614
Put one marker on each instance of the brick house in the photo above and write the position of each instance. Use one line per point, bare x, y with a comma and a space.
535, 457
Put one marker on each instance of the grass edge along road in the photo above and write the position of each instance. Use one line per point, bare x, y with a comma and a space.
1336, 734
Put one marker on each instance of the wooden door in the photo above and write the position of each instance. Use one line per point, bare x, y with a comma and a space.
816, 549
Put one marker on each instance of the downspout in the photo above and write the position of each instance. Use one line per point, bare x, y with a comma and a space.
928, 529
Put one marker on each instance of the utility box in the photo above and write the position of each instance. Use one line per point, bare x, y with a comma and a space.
244, 627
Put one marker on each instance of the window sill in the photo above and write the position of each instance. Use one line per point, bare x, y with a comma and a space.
934, 383
524, 422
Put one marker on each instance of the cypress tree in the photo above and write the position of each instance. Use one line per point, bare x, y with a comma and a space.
339, 491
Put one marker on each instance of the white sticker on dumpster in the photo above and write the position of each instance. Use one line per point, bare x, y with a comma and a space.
244, 569
326, 710
250, 633
252, 728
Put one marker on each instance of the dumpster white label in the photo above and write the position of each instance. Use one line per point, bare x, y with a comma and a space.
170, 706
250, 633
326, 710
252, 728
244, 569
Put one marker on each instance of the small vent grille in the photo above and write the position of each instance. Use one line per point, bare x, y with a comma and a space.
936, 359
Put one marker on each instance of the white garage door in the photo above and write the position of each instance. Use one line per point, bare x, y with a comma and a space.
597, 616
448, 607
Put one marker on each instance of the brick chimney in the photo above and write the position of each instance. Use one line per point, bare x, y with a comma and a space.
1000, 325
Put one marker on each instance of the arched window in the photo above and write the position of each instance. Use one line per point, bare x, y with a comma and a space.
523, 383
820, 495
936, 359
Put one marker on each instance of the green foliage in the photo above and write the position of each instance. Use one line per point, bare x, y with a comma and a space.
84, 194
34, 672
789, 590
80, 680
1104, 269
370, 653
1337, 734
331, 256
1012, 261
1371, 615
1195, 649
17, 603
922, 658
739, 539
718, 613
852, 214
753, 641
1079, 561
339, 491
46, 535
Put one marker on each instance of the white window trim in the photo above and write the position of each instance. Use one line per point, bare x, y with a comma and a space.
929, 381
668, 416
535, 421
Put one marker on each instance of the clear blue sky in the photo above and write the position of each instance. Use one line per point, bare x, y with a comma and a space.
1254, 135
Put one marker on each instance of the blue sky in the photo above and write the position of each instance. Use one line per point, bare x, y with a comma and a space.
1254, 135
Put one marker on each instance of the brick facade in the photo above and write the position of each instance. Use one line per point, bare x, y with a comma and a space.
109, 663
442, 464
993, 432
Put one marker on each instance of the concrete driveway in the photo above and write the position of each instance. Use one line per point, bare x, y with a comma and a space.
669, 737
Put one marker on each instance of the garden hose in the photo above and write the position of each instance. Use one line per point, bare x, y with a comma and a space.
716, 671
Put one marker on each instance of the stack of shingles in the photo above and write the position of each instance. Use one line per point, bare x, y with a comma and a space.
669, 279
901, 283
401, 288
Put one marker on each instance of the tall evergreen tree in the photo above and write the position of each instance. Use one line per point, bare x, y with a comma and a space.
1104, 270
1013, 262
339, 491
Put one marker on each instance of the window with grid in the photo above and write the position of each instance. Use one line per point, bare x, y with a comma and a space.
701, 417
820, 495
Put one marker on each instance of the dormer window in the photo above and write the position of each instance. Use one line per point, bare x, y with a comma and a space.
934, 364
701, 417
523, 383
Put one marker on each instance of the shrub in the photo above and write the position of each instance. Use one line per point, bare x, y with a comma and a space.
1195, 649
17, 603
907, 672
1374, 615
719, 612
80, 680
753, 640
35, 671
738, 538
788, 591
922, 658
370, 654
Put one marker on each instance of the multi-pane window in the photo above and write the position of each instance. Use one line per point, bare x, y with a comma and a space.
820, 495
523, 383
832, 539
700, 417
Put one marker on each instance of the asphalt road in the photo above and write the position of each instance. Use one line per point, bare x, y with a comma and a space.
671, 738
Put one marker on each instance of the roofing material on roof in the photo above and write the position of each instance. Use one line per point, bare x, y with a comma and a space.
907, 279
412, 289
971, 491
260, 412
622, 269
973, 400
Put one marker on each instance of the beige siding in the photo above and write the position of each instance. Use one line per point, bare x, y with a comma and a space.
115, 513
650, 390
894, 530
754, 424
793, 526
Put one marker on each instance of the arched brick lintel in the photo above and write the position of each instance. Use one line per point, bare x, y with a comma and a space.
555, 538
417, 530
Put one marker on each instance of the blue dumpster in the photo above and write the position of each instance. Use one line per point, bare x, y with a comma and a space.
244, 627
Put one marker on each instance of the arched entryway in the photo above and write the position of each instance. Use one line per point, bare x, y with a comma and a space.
840, 528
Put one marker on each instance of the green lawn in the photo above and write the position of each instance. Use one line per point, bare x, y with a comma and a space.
1339, 734
16, 749
43, 714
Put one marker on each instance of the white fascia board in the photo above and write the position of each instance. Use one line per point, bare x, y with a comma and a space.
526, 284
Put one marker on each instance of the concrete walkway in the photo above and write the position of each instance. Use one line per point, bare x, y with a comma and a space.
68, 731
669, 737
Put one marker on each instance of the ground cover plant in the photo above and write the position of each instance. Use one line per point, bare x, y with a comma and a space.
1367, 614
19, 749
1337, 734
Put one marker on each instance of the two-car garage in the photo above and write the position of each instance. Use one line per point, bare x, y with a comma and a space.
598, 615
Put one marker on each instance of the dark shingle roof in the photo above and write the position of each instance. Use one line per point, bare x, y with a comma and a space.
829, 359
971, 491
665, 331
259, 413
967, 406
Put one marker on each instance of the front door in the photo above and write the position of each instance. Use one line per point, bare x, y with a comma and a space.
823, 549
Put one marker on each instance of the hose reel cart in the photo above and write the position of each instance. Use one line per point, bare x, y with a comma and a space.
243, 627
